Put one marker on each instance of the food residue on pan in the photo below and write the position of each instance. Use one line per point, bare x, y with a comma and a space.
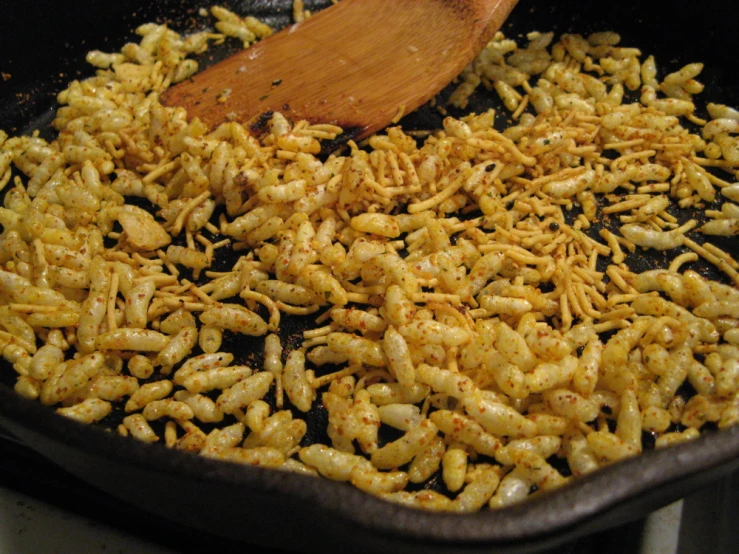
474, 315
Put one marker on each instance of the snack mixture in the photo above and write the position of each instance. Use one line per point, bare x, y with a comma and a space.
471, 336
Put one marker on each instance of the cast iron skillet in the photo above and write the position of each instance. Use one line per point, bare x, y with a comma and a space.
43, 47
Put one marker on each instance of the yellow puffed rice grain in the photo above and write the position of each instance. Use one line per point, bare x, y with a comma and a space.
139, 428
148, 393
243, 392
90, 410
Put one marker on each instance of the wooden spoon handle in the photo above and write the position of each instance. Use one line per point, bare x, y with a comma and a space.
356, 64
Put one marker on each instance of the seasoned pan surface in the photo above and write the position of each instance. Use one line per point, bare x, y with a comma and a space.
249, 504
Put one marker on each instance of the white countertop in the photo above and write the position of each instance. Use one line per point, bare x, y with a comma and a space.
29, 526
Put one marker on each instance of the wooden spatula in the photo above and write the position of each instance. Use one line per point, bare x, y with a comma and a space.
358, 64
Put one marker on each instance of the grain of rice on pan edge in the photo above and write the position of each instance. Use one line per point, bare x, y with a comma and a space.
458, 293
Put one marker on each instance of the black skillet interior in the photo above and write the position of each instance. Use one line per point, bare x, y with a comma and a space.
44, 47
